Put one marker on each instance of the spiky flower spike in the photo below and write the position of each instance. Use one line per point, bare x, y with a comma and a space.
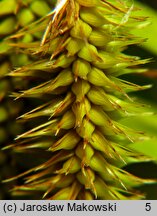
14, 15
74, 74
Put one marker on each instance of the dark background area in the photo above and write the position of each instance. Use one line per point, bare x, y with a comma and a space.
152, 3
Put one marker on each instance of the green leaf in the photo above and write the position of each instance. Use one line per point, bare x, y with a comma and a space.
147, 124
150, 31
148, 147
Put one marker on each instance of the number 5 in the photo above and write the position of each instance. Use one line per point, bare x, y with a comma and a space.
148, 206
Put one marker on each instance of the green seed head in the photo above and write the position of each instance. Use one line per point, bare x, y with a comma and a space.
76, 64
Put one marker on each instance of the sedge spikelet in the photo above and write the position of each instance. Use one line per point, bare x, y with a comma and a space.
74, 78
14, 15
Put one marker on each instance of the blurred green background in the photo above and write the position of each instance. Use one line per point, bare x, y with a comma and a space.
146, 123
